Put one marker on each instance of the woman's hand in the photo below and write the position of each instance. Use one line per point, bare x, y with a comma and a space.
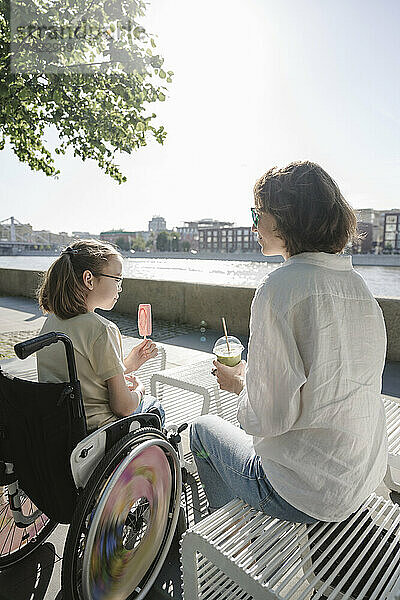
230, 379
139, 355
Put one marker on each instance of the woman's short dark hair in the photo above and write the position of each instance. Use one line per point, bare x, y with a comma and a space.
63, 291
311, 213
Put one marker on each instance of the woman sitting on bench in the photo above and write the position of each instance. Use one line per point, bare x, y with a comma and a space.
312, 443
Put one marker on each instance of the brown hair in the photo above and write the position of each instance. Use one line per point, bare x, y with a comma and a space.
311, 213
63, 291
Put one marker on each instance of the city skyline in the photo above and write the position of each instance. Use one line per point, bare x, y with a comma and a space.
256, 85
75, 231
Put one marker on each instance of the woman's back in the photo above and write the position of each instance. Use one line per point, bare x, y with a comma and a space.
320, 419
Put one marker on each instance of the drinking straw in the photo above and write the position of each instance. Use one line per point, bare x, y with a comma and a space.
226, 332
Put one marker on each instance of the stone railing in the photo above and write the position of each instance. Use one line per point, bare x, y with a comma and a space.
192, 303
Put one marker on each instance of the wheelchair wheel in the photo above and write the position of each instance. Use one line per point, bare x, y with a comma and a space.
125, 520
16, 542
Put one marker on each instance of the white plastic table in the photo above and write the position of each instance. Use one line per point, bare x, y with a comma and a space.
189, 391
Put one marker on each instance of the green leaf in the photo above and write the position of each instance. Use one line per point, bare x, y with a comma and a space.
95, 114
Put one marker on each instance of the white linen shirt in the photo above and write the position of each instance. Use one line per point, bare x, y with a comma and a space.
313, 381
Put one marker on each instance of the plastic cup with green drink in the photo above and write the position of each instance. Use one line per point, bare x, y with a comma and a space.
228, 350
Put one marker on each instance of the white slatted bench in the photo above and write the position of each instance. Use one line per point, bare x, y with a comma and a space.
392, 409
238, 553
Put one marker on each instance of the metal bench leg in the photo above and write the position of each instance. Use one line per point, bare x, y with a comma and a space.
189, 569
392, 479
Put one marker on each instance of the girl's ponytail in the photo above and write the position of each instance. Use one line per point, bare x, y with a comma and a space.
62, 291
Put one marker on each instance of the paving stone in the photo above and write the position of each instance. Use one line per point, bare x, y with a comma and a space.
162, 330
9, 339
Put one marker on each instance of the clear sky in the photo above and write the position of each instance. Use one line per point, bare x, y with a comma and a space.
257, 83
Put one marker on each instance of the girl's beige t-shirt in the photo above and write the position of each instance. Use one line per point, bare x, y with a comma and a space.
98, 354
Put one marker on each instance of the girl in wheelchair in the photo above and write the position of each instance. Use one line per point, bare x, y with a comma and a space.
118, 485
88, 275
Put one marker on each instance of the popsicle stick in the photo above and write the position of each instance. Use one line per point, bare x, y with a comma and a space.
226, 332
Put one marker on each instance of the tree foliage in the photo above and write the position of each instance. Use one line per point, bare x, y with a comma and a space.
163, 242
123, 243
95, 93
175, 239
186, 246
139, 244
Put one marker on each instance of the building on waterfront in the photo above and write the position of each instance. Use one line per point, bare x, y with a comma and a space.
125, 239
44, 237
365, 244
85, 235
377, 219
189, 232
391, 234
228, 240
157, 224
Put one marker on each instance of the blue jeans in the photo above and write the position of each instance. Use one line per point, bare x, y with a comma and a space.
228, 467
148, 402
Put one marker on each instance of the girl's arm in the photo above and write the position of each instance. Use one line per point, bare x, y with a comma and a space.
123, 401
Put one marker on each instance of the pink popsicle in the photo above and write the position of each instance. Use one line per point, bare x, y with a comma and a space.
144, 319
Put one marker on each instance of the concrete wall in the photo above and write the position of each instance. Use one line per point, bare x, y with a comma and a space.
192, 303
391, 312
17, 282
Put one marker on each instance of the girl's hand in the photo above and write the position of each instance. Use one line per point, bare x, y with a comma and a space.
230, 379
134, 384
139, 355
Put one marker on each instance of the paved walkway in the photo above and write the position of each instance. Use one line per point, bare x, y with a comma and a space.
38, 576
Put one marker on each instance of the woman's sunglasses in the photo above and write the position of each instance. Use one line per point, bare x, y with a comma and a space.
255, 216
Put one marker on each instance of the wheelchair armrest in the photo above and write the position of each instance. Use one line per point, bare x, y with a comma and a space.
25, 349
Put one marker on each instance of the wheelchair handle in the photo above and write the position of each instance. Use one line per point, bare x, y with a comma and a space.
25, 349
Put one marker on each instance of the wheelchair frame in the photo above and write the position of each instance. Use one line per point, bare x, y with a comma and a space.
131, 454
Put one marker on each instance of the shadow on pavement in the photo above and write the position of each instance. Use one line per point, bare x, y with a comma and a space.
29, 579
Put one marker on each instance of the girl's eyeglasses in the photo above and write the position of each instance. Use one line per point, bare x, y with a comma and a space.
118, 280
255, 216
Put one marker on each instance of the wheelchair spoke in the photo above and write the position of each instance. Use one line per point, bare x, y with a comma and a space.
14, 541
136, 524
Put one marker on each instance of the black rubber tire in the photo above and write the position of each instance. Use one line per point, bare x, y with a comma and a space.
70, 576
43, 530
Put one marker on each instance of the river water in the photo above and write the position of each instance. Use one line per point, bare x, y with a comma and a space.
382, 281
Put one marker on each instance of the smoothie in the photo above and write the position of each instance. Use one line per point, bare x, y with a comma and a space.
232, 356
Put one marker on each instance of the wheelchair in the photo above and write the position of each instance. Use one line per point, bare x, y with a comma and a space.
118, 487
